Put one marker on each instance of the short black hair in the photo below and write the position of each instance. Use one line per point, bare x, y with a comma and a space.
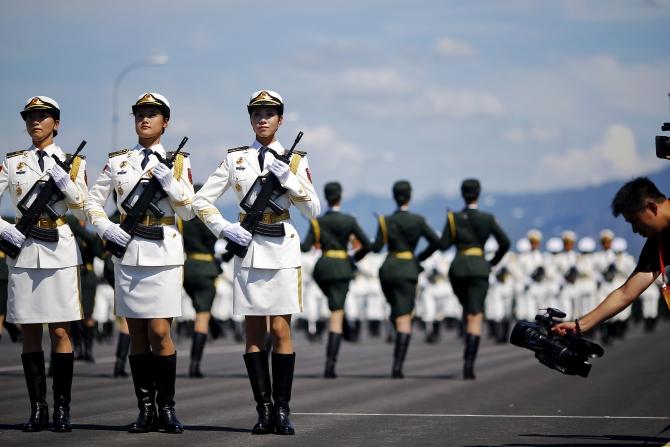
402, 192
630, 199
470, 189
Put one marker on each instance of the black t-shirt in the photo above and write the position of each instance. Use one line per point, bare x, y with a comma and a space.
649, 260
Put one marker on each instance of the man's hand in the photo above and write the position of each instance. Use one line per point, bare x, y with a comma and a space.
280, 169
13, 236
117, 235
565, 327
234, 232
61, 178
163, 174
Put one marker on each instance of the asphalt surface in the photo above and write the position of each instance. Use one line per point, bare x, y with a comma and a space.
515, 401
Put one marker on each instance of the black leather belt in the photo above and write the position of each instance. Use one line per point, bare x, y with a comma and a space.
272, 230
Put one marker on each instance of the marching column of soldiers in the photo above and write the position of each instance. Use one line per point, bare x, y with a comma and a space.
141, 274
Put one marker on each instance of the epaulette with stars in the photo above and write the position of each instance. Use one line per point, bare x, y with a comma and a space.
121, 152
14, 154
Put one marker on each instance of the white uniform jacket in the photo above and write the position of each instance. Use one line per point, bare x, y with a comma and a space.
121, 173
239, 170
19, 172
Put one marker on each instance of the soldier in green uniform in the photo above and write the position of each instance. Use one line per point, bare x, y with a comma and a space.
399, 273
469, 273
335, 269
90, 247
200, 273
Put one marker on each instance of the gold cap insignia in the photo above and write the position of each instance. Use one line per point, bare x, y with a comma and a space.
36, 102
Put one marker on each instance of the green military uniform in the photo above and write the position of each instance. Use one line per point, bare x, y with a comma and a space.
90, 247
469, 272
334, 270
200, 268
399, 273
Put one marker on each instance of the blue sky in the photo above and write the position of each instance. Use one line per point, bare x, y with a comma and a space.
525, 95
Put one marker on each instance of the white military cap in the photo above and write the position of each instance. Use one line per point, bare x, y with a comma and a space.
586, 245
266, 98
554, 245
523, 245
569, 235
619, 245
491, 245
534, 235
607, 234
41, 103
153, 99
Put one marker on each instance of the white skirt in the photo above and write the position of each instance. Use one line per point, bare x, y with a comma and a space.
148, 292
267, 291
43, 295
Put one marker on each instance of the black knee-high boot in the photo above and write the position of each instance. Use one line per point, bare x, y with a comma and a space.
469, 356
165, 375
141, 368
283, 366
332, 349
76, 332
258, 371
122, 349
399, 354
88, 343
36, 381
197, 348
63, 364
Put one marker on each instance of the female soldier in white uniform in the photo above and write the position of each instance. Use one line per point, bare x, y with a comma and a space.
43, 282
267, 281
149, 275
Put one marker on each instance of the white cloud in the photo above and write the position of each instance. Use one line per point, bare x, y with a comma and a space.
616, 10
371, 81
613, 157
531, 134
447, 46
333, 158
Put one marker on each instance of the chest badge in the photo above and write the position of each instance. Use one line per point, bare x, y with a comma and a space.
119, 191
19, 191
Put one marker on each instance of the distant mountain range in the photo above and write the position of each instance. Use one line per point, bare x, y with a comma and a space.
586, 211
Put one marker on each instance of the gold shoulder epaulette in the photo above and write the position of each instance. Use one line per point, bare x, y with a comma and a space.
169, 154
235, 149
121, 152
14, 154
301, 153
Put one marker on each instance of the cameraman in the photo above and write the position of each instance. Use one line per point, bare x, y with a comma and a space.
648, 211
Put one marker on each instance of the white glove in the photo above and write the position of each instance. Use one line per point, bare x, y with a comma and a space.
60, 177
280, 169
117, 235
13, 236
163, 174
234, 232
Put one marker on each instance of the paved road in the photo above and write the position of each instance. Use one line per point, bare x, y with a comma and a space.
514, 401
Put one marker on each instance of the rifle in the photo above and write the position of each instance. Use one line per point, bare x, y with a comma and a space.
146, 201
45, 193
270, 189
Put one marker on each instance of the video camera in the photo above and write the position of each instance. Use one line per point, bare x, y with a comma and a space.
663, 142
568, 354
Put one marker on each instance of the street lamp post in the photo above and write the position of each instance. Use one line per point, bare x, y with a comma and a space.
150, 61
